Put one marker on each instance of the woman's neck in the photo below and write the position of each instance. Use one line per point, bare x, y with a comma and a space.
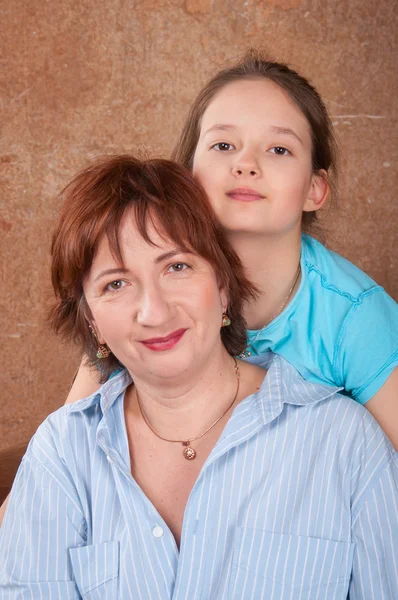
187, 406
271, 263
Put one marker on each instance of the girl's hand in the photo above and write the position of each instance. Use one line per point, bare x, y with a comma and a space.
384, 407
84, 384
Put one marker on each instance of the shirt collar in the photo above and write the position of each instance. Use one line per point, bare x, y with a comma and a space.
284, 385
105, 396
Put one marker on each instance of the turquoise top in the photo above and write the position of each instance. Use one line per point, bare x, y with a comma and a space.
341, 328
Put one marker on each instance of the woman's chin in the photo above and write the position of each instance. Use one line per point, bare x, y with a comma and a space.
167, 364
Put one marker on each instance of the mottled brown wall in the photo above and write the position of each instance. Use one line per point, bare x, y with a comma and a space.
87, 78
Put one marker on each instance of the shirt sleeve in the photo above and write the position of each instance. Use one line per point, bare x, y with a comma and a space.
375, 535
367, 348
43, 520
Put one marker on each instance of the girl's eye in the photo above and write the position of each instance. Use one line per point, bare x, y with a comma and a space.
279, 151
177, 267
223, 147
115, 285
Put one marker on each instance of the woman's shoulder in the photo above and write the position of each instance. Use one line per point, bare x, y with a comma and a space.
59, 437
69, 430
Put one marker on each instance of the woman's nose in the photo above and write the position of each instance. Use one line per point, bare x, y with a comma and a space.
153, 308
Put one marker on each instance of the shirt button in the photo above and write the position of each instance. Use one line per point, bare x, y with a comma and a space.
108, 458
157, 531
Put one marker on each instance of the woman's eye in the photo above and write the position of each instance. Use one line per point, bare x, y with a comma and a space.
223, 147
177, 267
279, 151
115, 285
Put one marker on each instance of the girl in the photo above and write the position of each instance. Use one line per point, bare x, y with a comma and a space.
259, 139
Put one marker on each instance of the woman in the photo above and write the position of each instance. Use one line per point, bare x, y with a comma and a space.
189, 474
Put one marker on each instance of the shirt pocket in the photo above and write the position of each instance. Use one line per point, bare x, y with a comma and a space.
96, 570
287, 567
45, 590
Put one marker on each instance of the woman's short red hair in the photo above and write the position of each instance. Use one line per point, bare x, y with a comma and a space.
159, 191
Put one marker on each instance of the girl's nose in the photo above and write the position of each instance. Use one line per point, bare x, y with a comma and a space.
246, 166
241, 171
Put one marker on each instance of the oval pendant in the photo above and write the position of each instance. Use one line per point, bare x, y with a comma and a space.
189, 453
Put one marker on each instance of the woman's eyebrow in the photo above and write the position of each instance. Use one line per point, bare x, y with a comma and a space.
171, 254
114, 271
158, 259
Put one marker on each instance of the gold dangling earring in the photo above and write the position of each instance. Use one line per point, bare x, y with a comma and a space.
103, 351
225, 320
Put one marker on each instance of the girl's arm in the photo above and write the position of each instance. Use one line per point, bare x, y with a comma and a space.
3, 509
366, 359
85, 383
384, 407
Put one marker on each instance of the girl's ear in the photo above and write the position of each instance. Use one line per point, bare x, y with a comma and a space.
318, 192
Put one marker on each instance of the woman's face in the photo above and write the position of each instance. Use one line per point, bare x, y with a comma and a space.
254, 159
160, 313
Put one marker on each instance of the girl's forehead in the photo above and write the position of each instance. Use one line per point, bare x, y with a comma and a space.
254, 104
257, 97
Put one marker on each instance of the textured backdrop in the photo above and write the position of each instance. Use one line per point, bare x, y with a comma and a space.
88, 78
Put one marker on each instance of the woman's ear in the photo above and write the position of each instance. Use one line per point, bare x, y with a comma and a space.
90, 320
93, 328
223, 299
318, 192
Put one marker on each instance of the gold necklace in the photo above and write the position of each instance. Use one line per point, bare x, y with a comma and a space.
247, 352
188, 452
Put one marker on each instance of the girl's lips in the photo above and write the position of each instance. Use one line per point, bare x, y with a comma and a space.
244, 195
160, 344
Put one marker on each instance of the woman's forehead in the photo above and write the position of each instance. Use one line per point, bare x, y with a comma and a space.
131, 243
130, 237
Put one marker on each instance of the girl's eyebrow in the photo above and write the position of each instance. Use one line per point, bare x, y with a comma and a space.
273, 128
220, 127
286, 131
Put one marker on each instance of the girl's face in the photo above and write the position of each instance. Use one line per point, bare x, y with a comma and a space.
254, 159
160, 312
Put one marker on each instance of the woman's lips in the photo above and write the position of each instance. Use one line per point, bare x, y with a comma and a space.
160, 344
244, 195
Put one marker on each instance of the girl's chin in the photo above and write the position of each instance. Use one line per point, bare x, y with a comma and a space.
248, 230
259, 230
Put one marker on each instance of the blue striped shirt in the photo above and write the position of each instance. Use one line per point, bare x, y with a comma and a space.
297, 500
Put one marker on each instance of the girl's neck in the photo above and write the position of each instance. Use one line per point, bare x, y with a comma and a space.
271, 263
